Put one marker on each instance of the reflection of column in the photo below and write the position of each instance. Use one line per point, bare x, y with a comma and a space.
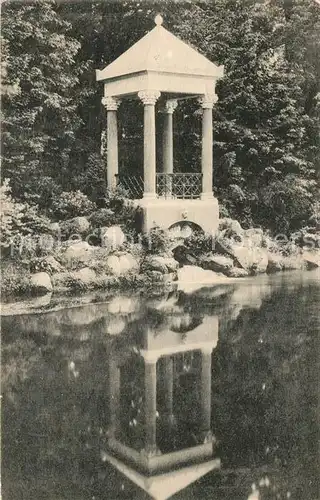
150, 368
205, 400
167, 144
149, 99
111, 104
114, 402
168, 387
207, 102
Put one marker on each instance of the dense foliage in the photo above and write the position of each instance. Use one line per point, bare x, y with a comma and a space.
266, 122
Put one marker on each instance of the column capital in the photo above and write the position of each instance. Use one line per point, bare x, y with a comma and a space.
207, 101
150, 357
110, 103
149, 96
207, 348
170, 106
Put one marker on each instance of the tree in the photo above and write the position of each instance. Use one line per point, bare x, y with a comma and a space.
40, 116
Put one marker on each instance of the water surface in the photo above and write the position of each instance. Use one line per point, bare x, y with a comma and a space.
264, 390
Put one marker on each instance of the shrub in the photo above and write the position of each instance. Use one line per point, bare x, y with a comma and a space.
19, 220
157, 241
199, 242
103, 217
71, 204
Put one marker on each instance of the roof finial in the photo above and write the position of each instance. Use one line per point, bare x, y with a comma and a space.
158, 19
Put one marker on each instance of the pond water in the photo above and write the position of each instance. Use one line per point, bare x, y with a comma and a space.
73, 377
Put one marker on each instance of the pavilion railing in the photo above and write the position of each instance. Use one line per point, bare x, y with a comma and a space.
183, 186
132, 184
177, 185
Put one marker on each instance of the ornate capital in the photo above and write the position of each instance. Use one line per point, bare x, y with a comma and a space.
149, 96
170, 106
207, 101
150, 357
110, 103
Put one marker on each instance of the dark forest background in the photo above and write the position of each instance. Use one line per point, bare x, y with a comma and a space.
266, 122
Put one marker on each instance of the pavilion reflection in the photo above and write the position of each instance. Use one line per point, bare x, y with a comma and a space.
160, 403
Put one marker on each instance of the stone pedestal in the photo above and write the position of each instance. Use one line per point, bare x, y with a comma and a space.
165, 213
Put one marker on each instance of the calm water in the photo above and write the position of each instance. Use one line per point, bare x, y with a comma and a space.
264, 396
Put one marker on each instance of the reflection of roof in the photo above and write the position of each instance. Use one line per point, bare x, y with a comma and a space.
164, 485
161, 51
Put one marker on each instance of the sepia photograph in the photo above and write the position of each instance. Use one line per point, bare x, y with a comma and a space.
160, 249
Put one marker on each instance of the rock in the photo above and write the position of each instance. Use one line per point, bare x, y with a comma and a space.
85, 275
112, 237
237, 272
76, 227
312, 259
231, 226
41, 283
113, 264
197, 275
217, 263
128, 263
275, 263
154, 263
171, 264
254, 237
80, 251
293, 263
253, 259
55, 228
183, 256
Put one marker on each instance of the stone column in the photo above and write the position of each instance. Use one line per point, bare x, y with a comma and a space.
149, 99
168, 387
111, 104
207, 102
167, 143
205, 401
150, 388
114, 401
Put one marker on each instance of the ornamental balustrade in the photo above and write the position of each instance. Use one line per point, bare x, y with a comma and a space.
174, 185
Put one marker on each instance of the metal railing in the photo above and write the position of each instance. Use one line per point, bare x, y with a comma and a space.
180, 186
132, 184
183, 186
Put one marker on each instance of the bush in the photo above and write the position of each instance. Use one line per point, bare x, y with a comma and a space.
19, 220
157, 241
199, 242
71, 204
103, 217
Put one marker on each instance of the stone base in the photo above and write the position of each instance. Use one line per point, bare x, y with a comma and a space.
166, 212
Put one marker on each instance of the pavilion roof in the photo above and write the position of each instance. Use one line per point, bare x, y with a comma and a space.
160, 51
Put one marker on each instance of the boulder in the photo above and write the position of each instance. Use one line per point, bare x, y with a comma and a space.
128, 263
231, 226
40, 283
253, 259
254, 237
293, 263
112, 237
237, 272
154, 263
217, 263
85, 275
275, 263
55, 229
193, 277
113, 264
78, 226
183, 256
80, 251
312, 259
